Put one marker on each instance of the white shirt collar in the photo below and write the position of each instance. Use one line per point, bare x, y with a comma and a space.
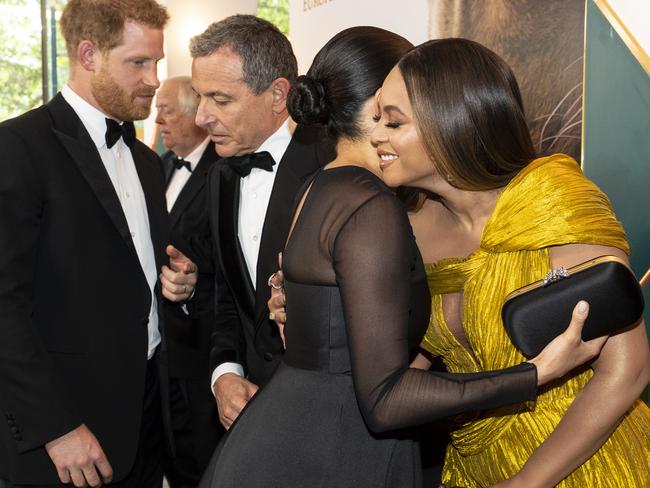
195, 156
277, 143
93, 119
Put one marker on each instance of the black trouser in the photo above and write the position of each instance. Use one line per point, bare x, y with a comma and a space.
147, 469
196, 431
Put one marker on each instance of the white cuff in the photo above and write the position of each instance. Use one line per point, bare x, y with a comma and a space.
224, 368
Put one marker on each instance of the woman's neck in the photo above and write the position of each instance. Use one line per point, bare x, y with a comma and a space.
469, 209
356, 153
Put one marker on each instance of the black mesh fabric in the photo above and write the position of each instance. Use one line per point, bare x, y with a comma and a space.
357, 305
352, 233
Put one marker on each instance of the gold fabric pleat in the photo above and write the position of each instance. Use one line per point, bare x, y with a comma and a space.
548, 203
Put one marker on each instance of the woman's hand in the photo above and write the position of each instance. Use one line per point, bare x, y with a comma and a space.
278, 300
567, 351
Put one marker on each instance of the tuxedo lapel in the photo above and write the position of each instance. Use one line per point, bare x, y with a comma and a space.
300, 160
167, 166
70, 131
232, 257
194, 185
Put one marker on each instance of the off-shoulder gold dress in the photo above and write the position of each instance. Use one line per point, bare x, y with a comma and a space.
549, 203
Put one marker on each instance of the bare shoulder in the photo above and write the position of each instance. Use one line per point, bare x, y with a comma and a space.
573, 254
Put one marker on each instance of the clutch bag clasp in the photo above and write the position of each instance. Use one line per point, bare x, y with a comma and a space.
555, 275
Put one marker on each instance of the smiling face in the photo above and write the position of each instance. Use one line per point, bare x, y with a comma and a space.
237, 120
403, 159
126, 80
366, 121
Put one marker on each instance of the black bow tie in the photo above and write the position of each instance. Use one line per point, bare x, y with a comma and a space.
181, 163
114, 131
242, 165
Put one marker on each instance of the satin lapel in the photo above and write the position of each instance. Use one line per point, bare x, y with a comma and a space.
153, 185
194, 185
300, 160
167, 166
77, 142
231, 254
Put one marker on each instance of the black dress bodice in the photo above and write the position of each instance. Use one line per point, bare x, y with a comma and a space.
357, 305
356, 288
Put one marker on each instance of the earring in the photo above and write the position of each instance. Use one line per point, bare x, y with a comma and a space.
449, 178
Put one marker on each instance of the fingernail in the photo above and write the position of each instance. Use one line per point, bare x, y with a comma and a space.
582, 306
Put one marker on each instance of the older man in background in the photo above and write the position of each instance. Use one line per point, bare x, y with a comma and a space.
195, 426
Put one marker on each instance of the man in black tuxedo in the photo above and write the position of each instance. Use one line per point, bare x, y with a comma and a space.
242, 70
194, 421
83, 230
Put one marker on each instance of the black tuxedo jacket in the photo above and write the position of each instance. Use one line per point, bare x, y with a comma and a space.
188, 338
74, 300
242, 331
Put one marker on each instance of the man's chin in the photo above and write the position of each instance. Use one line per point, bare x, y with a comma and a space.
224, 146
136, 114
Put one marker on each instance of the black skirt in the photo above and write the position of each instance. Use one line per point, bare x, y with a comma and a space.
305, 430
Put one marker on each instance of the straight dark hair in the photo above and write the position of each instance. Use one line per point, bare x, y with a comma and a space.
468, 111
345, 73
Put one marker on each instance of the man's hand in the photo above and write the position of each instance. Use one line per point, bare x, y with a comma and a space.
79, 458
232, 393
179, 278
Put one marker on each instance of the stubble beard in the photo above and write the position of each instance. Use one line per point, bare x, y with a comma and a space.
117, 102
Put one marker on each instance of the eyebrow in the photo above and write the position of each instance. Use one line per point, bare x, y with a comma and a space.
216, 93
142, 57
392, 108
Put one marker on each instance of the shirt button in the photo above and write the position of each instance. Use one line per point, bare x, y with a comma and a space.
118, 155
128, 195
132, 234
268, 356
254, 195
255, 237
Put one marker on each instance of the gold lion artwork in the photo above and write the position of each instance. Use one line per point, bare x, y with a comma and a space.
543, 43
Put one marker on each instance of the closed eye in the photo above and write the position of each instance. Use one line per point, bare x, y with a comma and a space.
221, 101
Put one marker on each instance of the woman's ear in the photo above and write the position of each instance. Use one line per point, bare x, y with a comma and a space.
280, 90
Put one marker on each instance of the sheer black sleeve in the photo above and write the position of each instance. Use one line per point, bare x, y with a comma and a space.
373, 258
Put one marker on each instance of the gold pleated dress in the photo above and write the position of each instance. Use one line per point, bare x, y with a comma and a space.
548, 203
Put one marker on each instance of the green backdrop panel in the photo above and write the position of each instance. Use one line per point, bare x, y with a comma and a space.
616, 143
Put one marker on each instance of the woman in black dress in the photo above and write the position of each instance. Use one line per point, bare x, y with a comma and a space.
358, 305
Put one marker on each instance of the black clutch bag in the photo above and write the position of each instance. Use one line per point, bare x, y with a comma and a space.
537, 313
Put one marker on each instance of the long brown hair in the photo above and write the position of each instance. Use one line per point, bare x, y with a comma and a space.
468, 111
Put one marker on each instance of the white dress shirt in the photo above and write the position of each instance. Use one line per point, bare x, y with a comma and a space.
120, 166
181, 176
254, 196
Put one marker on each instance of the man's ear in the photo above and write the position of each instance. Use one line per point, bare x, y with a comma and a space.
87, 55
279, 90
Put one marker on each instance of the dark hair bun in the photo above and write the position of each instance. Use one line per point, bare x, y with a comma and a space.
306, 101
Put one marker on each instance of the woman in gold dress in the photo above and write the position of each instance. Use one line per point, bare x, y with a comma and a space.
452, 124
